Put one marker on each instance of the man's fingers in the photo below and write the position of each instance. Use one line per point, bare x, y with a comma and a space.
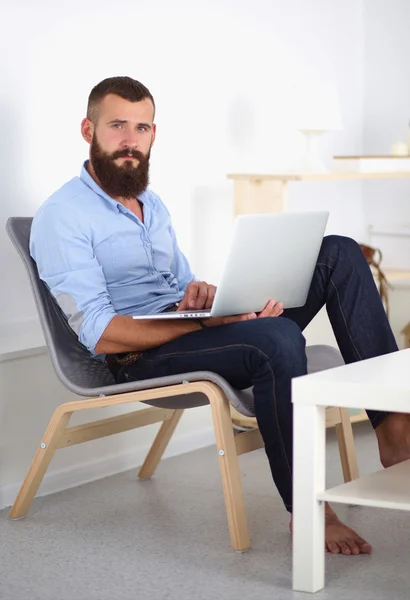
199, 301
236, 318
272, 309
215, 321
211, 295
198, 295
278, 310
266, 312
190, 295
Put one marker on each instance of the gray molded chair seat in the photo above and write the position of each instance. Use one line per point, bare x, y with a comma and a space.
86, 376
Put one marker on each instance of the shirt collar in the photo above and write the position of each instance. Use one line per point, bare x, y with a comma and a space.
92, 184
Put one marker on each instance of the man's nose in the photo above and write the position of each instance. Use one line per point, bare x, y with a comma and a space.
130, 140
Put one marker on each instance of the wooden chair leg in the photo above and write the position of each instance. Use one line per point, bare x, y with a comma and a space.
228, 460
40, 464
347, 448
229, 467
159, 445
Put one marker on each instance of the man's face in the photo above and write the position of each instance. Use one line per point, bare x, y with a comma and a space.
120, 146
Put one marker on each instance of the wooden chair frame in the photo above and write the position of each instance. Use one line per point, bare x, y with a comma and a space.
335, 417
229, 445
58, 435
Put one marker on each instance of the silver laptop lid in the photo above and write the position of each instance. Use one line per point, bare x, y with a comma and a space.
271, 256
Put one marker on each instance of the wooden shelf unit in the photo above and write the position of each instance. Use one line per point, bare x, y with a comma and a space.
266, 193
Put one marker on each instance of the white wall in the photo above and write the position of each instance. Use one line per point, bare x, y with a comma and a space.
386, 120
220, 72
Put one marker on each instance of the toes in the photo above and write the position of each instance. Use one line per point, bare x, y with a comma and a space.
333, 547
364, 547
354, 548
344, 548
340, 539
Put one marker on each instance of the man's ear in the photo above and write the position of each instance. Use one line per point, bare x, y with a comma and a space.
87, 130
154, 133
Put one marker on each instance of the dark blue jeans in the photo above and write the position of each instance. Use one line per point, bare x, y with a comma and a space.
268, 353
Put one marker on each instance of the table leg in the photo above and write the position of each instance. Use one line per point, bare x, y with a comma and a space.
308, 513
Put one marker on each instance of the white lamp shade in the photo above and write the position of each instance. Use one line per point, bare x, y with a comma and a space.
317, 108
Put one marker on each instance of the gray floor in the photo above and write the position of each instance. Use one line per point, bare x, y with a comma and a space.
167, 538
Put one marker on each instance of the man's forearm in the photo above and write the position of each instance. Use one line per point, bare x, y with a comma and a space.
124, 334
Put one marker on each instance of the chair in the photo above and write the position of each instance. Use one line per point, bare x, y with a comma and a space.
168, 397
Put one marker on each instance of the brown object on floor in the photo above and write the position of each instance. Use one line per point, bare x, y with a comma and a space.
374, 257
406, 332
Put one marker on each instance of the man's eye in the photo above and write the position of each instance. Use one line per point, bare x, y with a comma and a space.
117, 125
142, 128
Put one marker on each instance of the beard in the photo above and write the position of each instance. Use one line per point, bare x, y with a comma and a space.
125, 181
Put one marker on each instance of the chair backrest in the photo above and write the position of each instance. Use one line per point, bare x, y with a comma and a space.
73, 364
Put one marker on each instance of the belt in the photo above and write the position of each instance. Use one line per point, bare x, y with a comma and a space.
114, 361
123, 358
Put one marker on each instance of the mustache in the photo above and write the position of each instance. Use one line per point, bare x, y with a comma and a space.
124, 153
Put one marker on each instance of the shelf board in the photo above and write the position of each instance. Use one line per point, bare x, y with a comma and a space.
388, 488
396, 275
329, 176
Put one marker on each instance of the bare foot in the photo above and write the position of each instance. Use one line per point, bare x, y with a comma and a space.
393, 436
340, 539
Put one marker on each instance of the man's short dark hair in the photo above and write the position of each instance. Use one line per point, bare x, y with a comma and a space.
125, 87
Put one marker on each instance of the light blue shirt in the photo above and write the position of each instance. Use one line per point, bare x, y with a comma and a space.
98, 259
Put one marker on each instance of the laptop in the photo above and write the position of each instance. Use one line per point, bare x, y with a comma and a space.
271, 256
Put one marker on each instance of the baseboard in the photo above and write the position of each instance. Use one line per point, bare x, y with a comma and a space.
19, 339
109, 465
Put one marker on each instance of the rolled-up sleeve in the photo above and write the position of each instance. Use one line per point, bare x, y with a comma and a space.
61, 245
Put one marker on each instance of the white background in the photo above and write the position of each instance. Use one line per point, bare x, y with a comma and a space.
222, 74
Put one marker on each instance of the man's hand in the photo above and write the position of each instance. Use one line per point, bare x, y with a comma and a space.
216, 321
198, 295
272, 309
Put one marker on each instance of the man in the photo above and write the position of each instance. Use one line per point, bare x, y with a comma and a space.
105, 246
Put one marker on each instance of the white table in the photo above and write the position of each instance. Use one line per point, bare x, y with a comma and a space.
379, 383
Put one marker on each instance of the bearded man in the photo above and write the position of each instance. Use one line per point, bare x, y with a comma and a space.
105, 247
